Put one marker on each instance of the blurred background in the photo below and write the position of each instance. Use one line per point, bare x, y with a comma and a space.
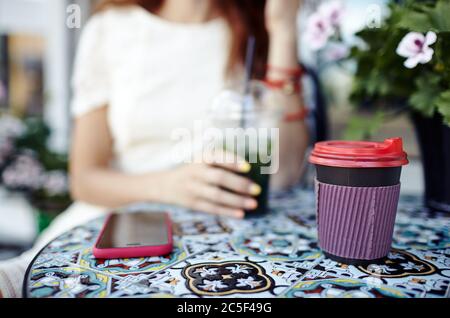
38, 39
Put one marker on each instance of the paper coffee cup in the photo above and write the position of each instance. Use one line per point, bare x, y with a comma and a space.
357, 192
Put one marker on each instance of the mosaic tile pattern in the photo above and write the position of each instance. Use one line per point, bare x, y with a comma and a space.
274, 256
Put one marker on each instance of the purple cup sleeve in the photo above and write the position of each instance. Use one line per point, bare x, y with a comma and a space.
356, 222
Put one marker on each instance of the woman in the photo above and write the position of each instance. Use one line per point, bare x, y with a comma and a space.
146, 67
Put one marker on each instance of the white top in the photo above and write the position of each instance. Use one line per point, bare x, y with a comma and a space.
154, 75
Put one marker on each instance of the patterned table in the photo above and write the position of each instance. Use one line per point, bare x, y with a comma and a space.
275, 256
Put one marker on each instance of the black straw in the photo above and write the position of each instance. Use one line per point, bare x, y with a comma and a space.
250, 55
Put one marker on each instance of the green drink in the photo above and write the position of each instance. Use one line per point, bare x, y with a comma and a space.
257, 155
263, 181
247, 124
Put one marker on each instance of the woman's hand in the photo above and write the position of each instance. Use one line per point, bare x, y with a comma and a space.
212, 187
281, 16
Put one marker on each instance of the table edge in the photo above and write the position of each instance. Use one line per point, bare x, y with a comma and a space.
30, 265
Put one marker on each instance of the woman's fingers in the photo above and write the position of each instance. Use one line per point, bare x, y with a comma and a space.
223, 197
227, 160
209, 207
215, 187
230, 181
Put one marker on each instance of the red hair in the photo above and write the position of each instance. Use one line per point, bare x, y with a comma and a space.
244, 17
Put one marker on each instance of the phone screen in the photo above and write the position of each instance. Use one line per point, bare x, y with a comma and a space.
135, 229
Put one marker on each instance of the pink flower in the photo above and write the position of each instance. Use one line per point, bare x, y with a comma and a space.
55, 182
24, 173
323, 23
336, 52
333, 11
318, 31
416, 48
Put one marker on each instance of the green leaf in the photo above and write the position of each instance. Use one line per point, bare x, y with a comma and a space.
439, 16
442, 55
381, 74
443, 105
363, 127
415, 21
423, 17
424, 98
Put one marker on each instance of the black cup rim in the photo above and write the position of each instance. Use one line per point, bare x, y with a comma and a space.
359, 177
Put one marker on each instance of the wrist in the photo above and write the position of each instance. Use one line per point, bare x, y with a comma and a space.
282, 54
282, 47
154, 186
286, 34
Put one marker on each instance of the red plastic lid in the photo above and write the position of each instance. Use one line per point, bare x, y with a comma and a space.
360, 154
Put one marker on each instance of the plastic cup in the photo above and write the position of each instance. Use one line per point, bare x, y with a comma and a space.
357, 192
249, 119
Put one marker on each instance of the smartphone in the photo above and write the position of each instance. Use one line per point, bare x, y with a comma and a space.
139, 234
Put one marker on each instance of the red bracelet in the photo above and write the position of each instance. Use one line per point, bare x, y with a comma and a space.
298, 116
289, 87
296, 72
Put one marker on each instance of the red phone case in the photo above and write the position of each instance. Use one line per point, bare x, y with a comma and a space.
134, 251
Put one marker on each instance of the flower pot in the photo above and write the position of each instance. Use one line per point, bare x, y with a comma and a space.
434, 142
